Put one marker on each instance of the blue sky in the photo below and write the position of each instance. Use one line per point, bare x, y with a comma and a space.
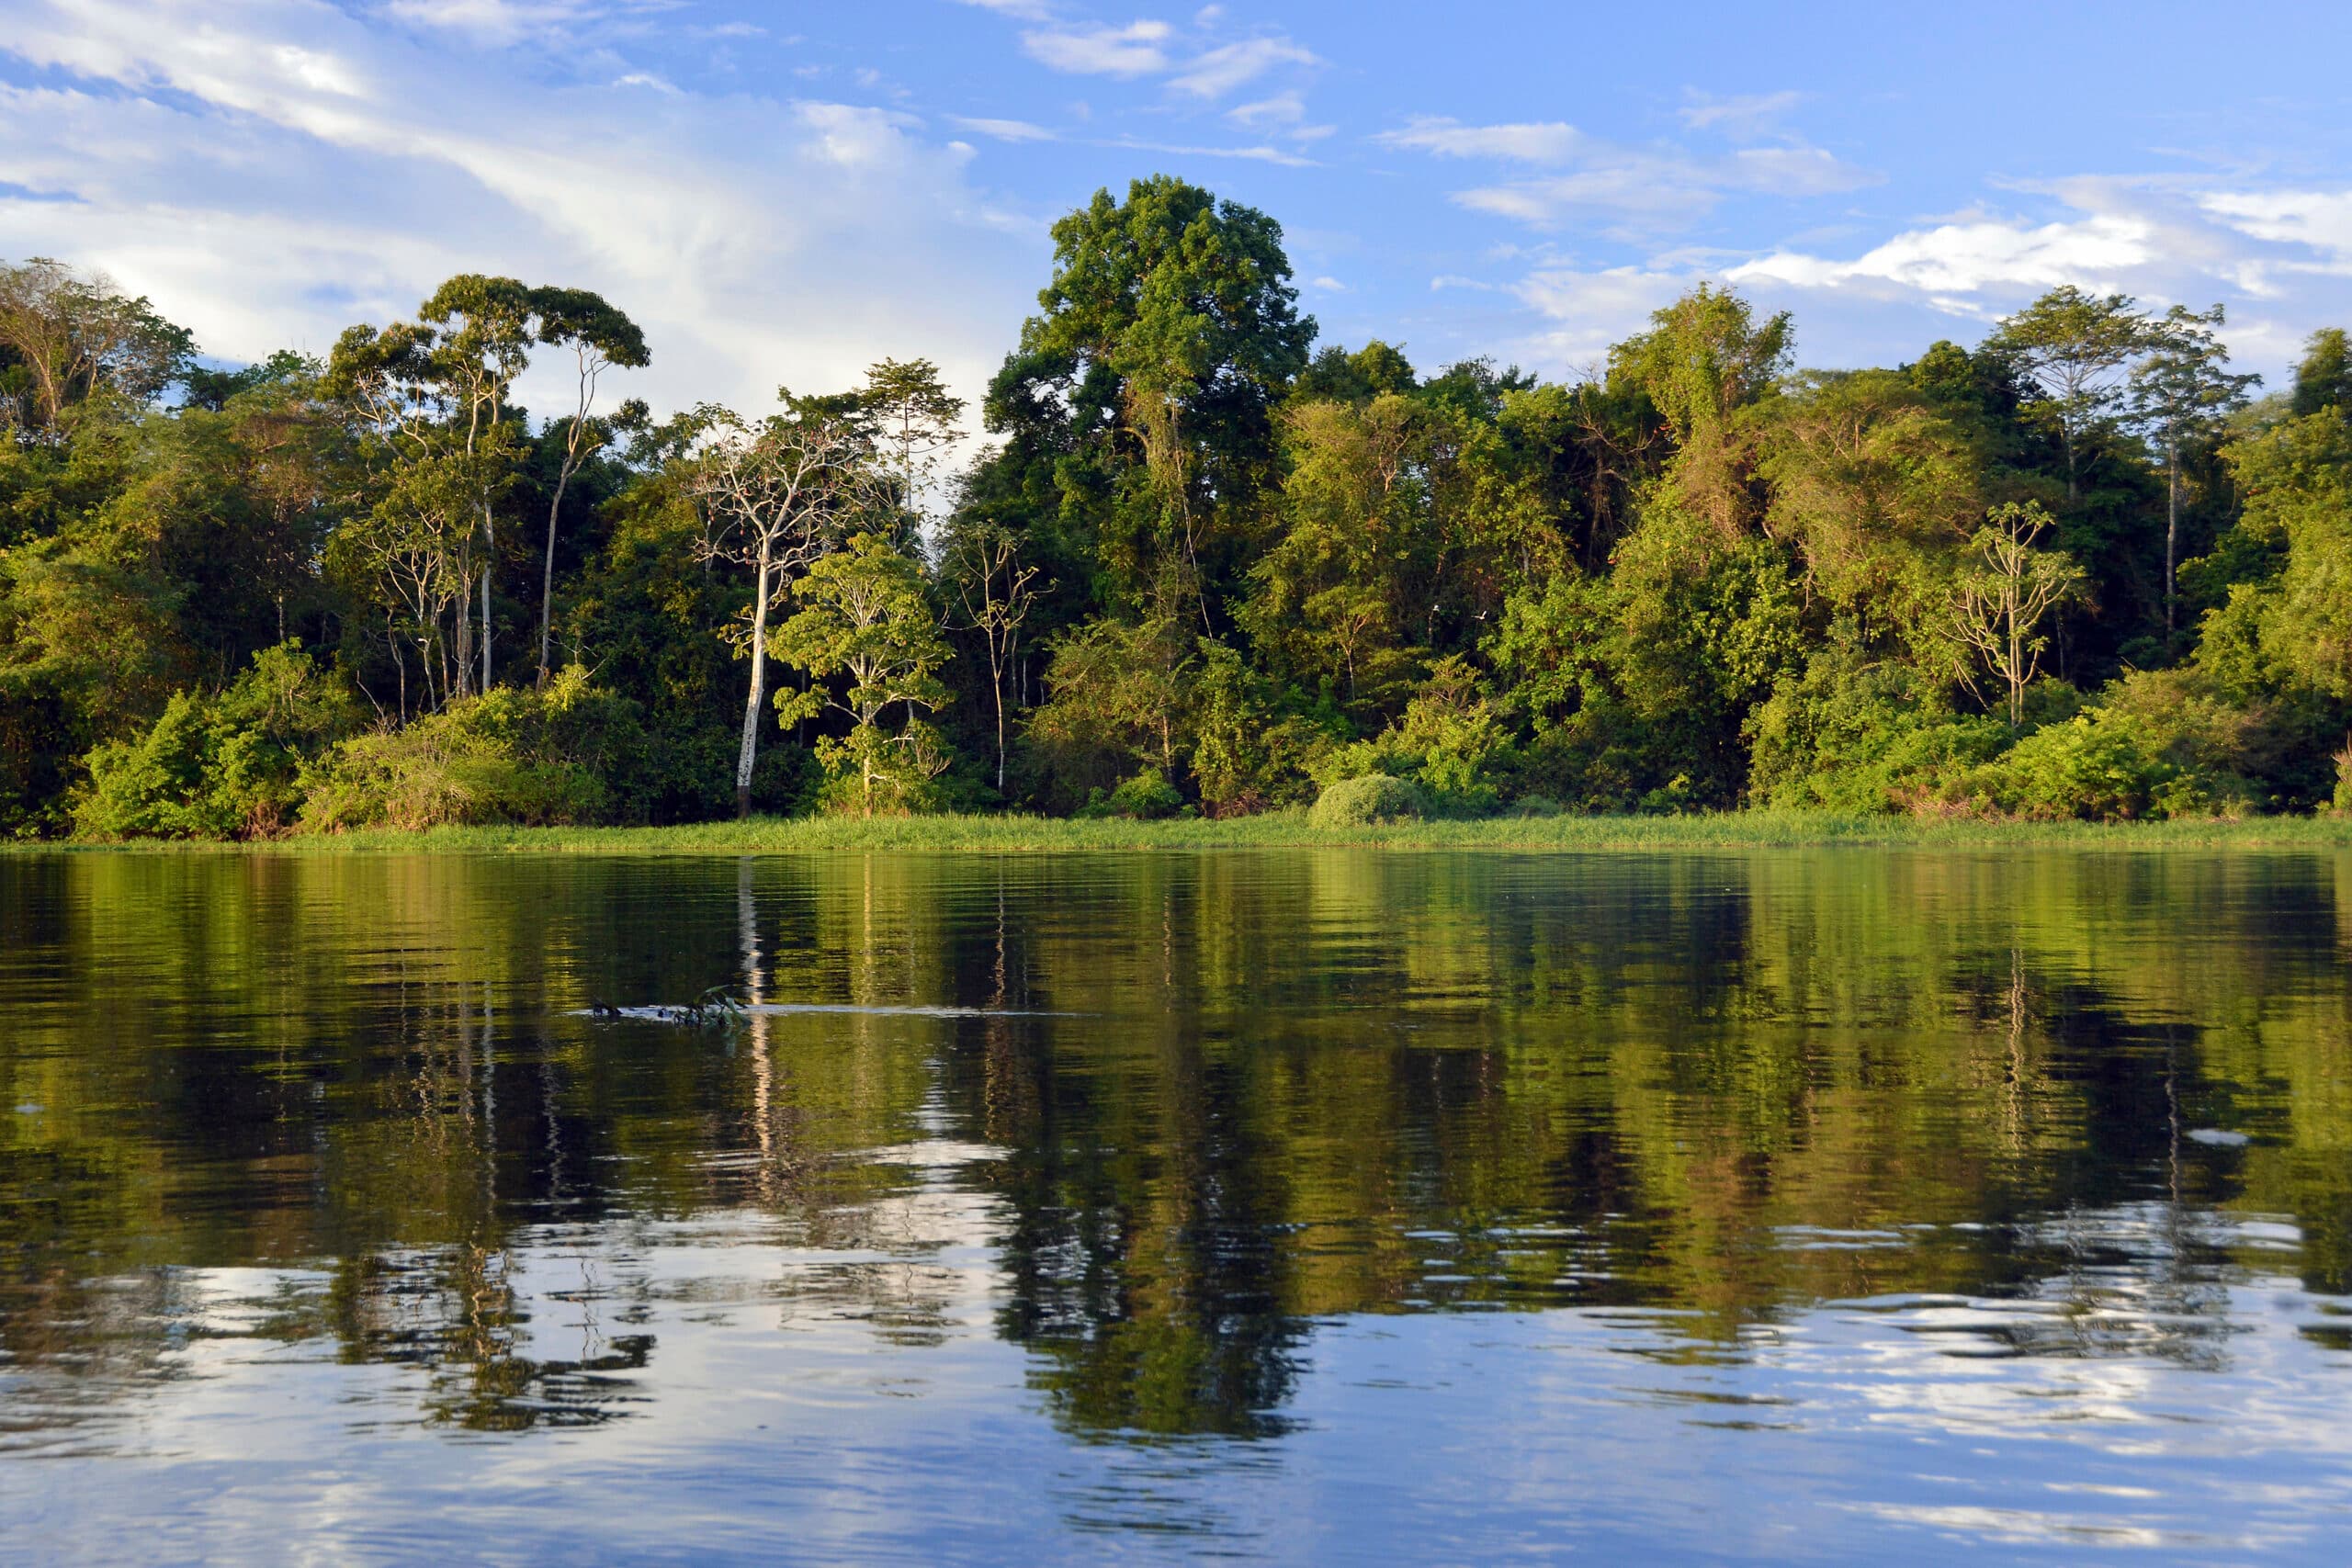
783, 193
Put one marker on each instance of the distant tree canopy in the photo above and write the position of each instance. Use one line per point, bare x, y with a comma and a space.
1196, 563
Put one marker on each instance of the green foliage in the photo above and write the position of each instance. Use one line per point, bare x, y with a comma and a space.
1451, 742
566, 755
224, 766
1204, 568
1849, 735
867, 619
1368, 798
1146, 797
2323, 378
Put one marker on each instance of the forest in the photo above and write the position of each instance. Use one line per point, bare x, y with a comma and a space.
1195, 564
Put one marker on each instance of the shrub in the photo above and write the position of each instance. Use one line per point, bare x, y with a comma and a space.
1146, 796
567, 756
219, 765
1449, 742
1368, 798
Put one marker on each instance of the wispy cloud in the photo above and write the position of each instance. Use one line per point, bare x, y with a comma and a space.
507, 21
1643, 187
1140, 49
1001, 130
1219, 71
1753, 114
1256, 154
1019, 10
1550, 142
272, 170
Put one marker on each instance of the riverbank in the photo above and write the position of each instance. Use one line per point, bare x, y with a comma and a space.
1292, 829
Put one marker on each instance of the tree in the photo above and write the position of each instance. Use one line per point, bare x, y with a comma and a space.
1168, 334
992, 583
600, 339
776, 496
72, 335
2180, 396
2323, 379
1334, 597
1704, 359
427, 472
867, 617
486, 329
914, 419
2073, 349
1997, 610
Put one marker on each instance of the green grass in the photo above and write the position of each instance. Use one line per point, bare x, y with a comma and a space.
1289, 829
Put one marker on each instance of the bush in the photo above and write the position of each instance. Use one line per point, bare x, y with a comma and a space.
567, 756
219, 765
1144, 798
1368, 798
1451, 744
2156, 744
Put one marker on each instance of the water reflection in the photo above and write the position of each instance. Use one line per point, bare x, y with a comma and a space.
1198, 1182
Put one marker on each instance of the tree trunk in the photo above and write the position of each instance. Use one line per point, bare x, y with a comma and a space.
490, 557
2172, 530
750, 752
547, 568
996, 684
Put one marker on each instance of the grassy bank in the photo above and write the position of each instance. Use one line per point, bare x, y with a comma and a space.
1294, 831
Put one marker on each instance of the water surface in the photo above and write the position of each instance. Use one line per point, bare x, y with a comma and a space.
1265, 1205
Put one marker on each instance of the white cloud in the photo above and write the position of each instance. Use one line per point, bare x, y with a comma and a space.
1136, 49
1021, 10
1644, 188
1750, 115
2319, 219
1002, 130
2273, 259
1585, 311
1549, 143
1257, 154
1282, 109
1219, 71
1970, 258
507, 21
271, 171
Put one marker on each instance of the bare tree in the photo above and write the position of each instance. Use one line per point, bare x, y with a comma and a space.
1997, 611
993, 585
774, 497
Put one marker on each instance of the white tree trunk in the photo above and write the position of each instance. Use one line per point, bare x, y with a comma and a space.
750, 750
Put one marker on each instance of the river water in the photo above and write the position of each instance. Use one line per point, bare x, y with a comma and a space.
1792, 1206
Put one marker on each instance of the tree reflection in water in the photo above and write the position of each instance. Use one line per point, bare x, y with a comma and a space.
1207, 1104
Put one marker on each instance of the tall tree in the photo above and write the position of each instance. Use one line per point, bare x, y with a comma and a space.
2323, 378
1168, 331
72, 335
1704, 358
914, 419
776, 496
2073, 349
2180, 393
865, 617
486, 327
993, 584
600, 338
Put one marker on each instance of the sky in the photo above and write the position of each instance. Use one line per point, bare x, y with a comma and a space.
782, 194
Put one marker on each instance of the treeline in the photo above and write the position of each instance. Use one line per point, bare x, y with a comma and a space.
2083, 570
